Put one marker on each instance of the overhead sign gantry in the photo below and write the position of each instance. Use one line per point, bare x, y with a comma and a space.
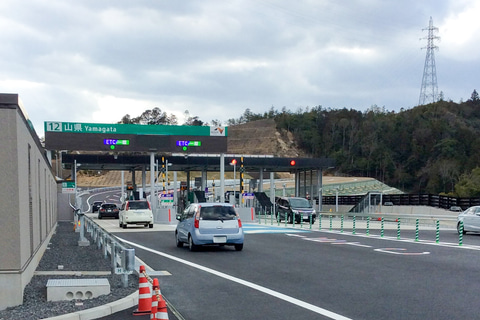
134, 137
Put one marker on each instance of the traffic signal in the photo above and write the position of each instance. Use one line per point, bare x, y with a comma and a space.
234, 161
292, 163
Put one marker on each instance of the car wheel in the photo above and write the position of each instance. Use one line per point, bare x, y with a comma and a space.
100, 216
239, 247
150, 225
290, 218
192, 246
120, 224
179, 243
124, 226
458, 229
116, 217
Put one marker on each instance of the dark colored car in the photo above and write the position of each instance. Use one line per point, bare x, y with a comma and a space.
108, 210
290, 208
96, 205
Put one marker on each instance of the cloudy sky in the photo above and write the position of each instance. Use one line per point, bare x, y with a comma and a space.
95, 61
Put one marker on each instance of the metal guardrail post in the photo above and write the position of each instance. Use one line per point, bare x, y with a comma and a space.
82, 241
128, 264
113, 257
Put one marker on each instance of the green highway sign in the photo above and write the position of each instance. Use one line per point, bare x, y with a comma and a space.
140, 129
68, 187
134, 137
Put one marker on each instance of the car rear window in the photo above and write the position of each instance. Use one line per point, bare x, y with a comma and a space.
109, 206
217, 213
300, 203
138, 205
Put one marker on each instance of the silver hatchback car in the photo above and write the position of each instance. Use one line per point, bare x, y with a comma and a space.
471, 220
209, 224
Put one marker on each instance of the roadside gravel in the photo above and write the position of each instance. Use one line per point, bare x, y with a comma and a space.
64, 250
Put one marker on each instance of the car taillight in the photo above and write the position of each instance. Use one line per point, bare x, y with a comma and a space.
149, 208
196, 223
239, 223
126, 207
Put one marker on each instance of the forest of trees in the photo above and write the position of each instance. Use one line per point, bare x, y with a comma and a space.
427, 149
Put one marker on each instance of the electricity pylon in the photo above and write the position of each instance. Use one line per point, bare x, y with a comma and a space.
429, 89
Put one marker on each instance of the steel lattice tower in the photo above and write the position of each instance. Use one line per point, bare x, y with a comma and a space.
429, 89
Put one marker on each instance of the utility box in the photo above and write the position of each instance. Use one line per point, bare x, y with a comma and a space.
79, 289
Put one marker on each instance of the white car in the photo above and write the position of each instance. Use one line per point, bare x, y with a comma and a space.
471, 220
136, 212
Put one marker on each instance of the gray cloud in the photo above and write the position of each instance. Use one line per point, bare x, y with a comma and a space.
95, 61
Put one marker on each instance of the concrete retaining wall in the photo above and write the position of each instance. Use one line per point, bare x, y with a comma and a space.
30, 214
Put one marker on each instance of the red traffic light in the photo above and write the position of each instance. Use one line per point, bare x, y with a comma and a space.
292, 162
234, 161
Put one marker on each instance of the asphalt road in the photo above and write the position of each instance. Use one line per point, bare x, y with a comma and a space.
315, 275
285, 273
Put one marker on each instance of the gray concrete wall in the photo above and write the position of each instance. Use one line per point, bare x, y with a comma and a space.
29, 213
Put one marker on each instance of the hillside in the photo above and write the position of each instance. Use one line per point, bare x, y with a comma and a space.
426, 149
262, 137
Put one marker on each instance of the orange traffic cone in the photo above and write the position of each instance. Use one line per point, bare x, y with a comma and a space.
153, 313
144, 296
162, 312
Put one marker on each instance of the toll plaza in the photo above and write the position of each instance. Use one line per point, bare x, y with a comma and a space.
195, 150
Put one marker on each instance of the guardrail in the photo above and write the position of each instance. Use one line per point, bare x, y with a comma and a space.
122, 256
351, 222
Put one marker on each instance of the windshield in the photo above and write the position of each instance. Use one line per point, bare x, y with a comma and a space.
217, 213
300, 203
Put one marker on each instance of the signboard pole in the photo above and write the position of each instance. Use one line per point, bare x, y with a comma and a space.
222, 177
153, 197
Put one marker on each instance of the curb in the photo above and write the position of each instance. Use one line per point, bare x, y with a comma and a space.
101, 311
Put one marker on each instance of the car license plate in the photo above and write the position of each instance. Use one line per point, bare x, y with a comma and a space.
219, 239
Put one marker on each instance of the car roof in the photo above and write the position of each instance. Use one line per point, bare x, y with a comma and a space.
214, 204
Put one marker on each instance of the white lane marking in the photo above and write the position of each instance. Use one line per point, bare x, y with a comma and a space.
249, 284
395, 251
408, 240
96, 194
